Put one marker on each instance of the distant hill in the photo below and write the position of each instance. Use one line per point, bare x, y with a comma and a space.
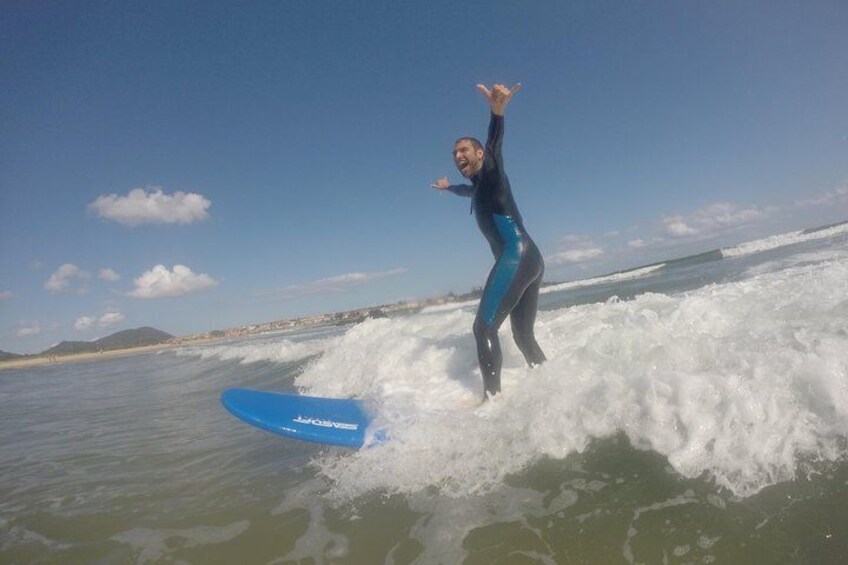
133, 338
69, 347
5, 356
120, 340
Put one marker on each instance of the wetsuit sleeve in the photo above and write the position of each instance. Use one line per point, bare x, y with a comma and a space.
460, 189
494, 143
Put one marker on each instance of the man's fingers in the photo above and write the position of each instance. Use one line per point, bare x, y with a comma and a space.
509, 91
441, 184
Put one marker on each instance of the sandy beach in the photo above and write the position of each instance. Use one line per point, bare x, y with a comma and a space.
37, 361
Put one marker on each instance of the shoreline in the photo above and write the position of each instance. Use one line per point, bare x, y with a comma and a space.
41, 361
338, 318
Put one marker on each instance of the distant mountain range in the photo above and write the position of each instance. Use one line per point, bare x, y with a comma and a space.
4, 355
120, 340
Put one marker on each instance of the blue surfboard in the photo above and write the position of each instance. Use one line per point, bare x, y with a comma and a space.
332, 421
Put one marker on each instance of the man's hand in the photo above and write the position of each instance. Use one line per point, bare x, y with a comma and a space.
499, 96
441, 184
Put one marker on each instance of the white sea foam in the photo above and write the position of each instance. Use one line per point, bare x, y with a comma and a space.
151, 545
615, 277
782, 240
282, 351
741, 380
450, 306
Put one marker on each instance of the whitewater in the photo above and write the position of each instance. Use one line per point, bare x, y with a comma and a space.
690, 411
742, 380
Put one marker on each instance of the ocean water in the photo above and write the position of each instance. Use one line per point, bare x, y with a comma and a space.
693, 411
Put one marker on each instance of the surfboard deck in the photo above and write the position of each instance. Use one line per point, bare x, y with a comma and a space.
331, 421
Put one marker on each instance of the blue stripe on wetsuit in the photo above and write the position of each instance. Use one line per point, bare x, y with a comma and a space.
505, 269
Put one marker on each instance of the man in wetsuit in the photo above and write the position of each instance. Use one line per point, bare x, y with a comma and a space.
512, 288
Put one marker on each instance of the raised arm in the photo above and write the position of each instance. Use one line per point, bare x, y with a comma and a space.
498, 97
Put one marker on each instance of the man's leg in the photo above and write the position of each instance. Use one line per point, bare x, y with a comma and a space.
522, 318
505, 287
488, 355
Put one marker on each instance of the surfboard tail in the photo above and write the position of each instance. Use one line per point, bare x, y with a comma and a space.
329, 421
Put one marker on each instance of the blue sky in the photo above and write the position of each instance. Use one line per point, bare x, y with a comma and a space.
202, 165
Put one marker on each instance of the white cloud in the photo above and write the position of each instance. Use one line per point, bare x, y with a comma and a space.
357, 278
574, 256
578, 249
154, 207
722, 215
711, 220
29, 329
4, 294
637, 244
110, 319
333, 285
84, 323
108, 275
838, 195
159, 282
64, 277
676, 226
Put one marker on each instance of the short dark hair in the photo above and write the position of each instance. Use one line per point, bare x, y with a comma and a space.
475, 143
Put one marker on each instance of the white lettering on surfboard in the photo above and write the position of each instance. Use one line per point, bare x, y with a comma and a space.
325, 423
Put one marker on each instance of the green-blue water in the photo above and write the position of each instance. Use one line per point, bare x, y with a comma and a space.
702, 422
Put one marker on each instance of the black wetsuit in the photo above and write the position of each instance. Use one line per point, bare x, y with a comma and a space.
513, 284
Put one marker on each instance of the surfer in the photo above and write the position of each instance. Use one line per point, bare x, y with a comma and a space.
512, 288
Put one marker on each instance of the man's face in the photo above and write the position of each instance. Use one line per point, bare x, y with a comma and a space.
467, 159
